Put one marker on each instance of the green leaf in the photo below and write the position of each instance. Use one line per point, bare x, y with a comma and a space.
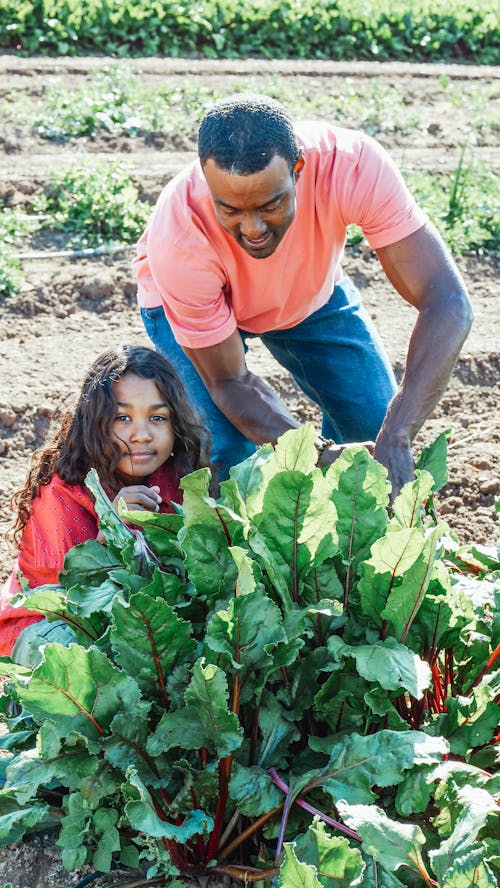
476, 804
88, 565
15, 821
407, 505
296, 529
294, 874
387, 662
80, 690
209, 563
433, 459
335, 862
253, 791
160, 531
142, 815
205, 721
391, 843
360, 492
149, 640
396, 576
28, 772
119, 539
247, 633
358, 763
52, 602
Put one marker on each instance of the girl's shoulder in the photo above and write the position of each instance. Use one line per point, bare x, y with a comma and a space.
59, 491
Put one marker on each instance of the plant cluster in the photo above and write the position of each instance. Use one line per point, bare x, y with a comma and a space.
290, 684
95, 204
344, 29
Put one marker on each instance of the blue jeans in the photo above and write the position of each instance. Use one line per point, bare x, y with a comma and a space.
335, 356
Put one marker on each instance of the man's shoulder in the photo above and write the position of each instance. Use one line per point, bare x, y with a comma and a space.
322, 137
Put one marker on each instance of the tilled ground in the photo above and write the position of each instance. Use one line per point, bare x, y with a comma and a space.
71, 310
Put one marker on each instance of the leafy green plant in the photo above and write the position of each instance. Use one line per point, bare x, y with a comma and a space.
95, 204
285, 684
346, 29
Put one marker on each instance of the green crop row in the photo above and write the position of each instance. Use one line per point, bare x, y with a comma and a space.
342, 29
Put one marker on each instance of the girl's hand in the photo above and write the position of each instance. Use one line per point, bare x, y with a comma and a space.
139, 497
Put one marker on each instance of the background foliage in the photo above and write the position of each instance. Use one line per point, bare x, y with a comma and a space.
344, 29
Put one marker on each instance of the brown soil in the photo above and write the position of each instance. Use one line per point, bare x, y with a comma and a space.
71, 310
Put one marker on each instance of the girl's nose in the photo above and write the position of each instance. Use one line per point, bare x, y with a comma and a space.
140, 432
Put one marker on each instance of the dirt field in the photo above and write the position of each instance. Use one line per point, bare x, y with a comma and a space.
71, 310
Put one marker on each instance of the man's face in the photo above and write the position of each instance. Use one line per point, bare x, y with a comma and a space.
257, 210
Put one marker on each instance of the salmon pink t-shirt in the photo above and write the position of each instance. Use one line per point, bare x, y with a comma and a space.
209, 285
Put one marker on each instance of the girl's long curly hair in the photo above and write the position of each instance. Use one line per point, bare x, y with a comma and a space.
84, 440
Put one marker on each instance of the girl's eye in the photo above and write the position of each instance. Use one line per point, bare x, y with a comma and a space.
122, 417
158, 416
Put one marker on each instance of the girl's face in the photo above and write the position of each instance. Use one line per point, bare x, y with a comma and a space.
142, 427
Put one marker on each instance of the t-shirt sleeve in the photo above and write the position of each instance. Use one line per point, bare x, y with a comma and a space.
372, 194
189, 277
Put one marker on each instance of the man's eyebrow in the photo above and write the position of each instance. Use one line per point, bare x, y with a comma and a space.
278, 196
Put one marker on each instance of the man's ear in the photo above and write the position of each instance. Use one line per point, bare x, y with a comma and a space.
299, 166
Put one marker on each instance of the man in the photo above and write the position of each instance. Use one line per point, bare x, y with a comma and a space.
248, 240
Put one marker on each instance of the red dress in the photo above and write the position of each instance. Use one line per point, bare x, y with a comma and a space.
62, 516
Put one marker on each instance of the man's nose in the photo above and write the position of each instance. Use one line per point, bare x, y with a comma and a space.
253, 226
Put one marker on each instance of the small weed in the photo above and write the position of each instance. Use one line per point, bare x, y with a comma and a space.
95, 205
10, 274
463, 205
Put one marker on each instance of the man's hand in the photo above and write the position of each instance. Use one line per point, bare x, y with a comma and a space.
330, 451
140, 498
396, 456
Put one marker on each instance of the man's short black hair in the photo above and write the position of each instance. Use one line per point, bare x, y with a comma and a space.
242, 133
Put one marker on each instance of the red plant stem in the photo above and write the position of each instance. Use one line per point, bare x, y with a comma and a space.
315, 811
176, 853
491, 659
199, 838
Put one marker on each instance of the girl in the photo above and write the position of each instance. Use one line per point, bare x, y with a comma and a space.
133, 424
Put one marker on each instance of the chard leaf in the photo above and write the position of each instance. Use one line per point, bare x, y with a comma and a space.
209, 563
27, 772
159, 530
125, 747
247, 633
407, 505
471, 871
376, 877
295, 450
79, 690
251, 476
358, 763
475, 806
278, 729
119, 539
200, 508
387, 662
149, 640
294, 874
205, 721
142, 815
88, 600
335, 862
395, 577
88, 565
360, 492
249, 572
15, 821
52, 602
253, 791
391, 843
433, 459
76, 829
296, 529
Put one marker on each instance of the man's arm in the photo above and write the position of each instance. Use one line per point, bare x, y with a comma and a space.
249, 404
423, 272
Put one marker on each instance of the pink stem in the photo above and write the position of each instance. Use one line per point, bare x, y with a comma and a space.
315, 811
